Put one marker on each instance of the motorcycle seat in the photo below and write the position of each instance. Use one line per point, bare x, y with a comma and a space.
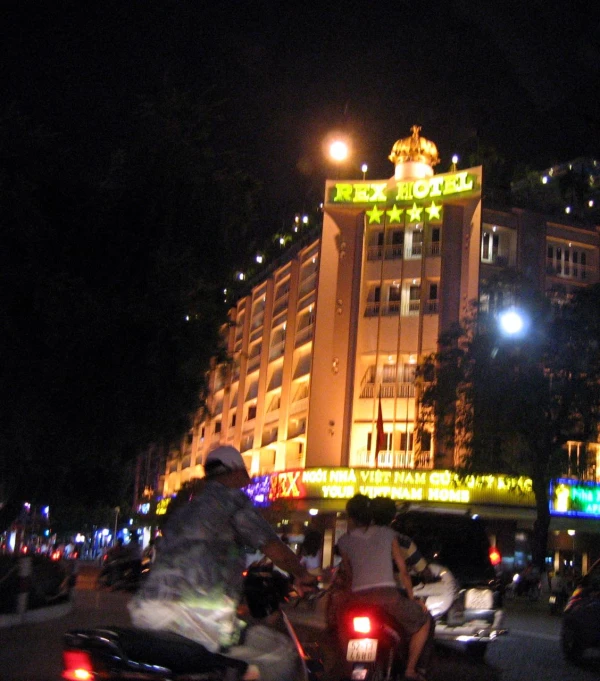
163, 649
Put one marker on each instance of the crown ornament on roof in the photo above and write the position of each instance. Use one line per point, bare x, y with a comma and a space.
414, 149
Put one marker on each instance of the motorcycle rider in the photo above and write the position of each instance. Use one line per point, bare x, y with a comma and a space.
196, 581
367, 550
384, 511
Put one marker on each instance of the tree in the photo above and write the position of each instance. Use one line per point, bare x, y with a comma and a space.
113, 278
510, 404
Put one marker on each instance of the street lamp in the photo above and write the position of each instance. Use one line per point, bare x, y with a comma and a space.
117, 511
511, 322
337, 148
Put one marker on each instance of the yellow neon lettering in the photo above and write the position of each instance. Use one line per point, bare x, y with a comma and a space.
378, 192
462, 184
404, 191
362, 193
318, 475
343, 192
338, 491
342, 475
421, 189
435, 184
457, 496
440, 478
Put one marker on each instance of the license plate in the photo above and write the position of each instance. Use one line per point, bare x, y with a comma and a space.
362, 650
479, 599
552, 600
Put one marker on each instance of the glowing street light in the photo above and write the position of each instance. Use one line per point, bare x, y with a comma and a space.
339, 150
512, 322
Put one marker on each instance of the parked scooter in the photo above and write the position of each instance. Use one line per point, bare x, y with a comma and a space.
118, 653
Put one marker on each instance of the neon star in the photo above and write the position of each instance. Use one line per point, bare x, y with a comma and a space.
395, 213
375, 215
414, 213
434, 211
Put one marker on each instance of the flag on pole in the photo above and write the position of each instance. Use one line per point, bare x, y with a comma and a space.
381, 437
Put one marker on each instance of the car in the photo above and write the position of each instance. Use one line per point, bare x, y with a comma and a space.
459, 542
581, 617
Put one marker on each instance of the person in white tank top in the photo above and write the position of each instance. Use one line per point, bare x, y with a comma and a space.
366, 550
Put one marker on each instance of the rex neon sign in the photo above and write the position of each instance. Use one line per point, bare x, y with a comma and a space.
431, 187
399, 484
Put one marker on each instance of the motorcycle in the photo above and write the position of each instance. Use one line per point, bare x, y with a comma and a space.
525, 585
119, 653
120, 574
373, 645
557, 601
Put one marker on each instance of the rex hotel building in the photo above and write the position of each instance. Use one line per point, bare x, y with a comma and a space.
321, 397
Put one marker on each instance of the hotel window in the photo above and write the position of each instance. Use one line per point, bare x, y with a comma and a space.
233, 420
435, 240
251, 412
217, 426
432, 300
301, 392
373, 300
375, 245
490, 243
394, 297
395, 249
416, 247
566, 261
414, 297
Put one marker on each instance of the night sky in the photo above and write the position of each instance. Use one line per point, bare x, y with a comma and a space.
523, 77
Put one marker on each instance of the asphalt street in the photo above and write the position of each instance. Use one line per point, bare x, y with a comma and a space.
32, 652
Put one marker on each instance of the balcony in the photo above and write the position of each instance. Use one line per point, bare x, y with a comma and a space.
299, 406
276, 350
296, 428
569, 270
253, 363
307, 285
388, 390
432, 306
393, 308
384, 459
304, 335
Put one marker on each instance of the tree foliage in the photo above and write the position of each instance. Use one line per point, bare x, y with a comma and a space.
511, 404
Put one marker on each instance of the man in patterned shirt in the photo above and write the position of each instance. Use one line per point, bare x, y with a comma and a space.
196, 581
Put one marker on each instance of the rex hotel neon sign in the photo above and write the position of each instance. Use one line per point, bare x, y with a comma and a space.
431, 187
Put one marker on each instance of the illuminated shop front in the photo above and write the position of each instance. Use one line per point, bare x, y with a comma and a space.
318, 496
575, 510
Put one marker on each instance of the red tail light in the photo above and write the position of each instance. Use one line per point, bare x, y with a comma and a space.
77, 666
362, 625
495, 556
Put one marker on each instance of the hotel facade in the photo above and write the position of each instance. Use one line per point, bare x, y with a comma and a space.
320, 391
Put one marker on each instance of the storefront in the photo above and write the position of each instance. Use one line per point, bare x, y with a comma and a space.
316, 497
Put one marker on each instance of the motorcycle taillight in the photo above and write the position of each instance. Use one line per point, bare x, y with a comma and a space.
77, 666
362, 625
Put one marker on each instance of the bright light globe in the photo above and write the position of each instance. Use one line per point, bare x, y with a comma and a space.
338, 151
511, 322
